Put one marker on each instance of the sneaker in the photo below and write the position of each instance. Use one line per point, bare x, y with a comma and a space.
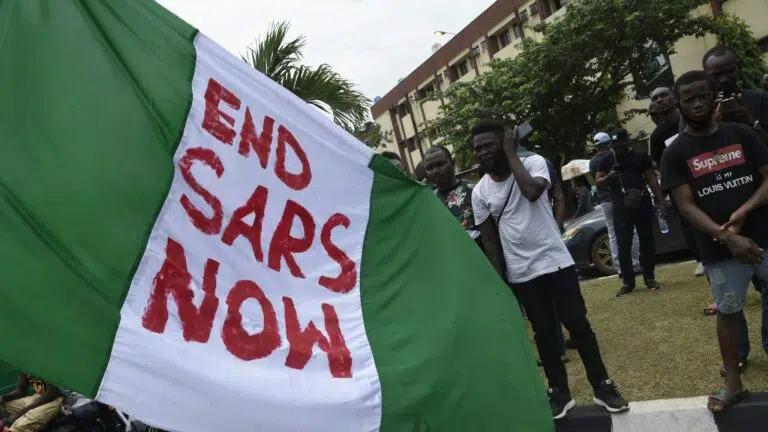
624, 290
609, 398
560, 402
653, 285
699, 270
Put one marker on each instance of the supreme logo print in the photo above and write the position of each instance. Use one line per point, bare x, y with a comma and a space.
721, 159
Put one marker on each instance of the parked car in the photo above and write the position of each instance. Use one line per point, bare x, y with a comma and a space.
587, 239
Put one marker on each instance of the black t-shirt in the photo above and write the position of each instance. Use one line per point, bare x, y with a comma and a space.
603, 194
659, 138
459, 201
723, 172
756, 101
634, 165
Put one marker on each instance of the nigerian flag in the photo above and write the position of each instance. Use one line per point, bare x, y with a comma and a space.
189, 242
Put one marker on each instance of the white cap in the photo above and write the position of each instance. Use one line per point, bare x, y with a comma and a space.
601, 138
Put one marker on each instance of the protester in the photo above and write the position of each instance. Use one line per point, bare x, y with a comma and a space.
602, 142
455, 194
394, 158
583, 195
716, 174
664, 104
721, 64
627, 172
22, 413
522, 241
747, 106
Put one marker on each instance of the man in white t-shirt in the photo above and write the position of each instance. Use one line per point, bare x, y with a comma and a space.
522, 241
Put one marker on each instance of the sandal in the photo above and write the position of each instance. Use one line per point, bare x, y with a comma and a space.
742, 366
725, 399
710, 310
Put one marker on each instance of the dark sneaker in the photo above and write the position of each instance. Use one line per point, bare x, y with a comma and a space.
560, 402
653, 285
609, 398
624, 290
570, 344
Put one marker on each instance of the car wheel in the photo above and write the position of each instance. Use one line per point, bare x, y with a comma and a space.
600, 254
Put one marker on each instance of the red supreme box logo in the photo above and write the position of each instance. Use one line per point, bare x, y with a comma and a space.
721, 159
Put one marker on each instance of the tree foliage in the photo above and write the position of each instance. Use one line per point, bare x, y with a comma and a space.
569, 83
371, 134
279, 58
735, 33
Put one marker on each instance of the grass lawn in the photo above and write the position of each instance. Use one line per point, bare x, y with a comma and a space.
660, 345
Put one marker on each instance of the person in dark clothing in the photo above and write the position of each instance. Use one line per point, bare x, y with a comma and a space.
583, 196
716, 173
602, 144
627, 172
455, 194
664, 105
746, 106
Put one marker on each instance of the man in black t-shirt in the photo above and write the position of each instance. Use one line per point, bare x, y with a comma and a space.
627, 172
747, 106
603, 197
455, 194
664, 105
716, 174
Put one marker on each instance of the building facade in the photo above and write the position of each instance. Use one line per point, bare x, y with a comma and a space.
497, 33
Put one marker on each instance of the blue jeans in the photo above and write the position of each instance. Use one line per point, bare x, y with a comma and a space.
744, 347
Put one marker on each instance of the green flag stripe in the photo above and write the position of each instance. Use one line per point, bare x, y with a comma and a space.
439, 287
95, 98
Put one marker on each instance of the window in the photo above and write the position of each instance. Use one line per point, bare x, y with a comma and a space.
410, 143
517, 29
484, 46
504, 39
524, 15
461, 68
534, 8
425, 92
402, 110
439, 80
476, 51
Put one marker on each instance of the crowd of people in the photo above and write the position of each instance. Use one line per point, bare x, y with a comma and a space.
710, 147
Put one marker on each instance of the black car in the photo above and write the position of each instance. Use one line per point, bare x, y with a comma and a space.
587, 239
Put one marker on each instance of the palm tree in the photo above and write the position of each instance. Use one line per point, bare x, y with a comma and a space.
279, 59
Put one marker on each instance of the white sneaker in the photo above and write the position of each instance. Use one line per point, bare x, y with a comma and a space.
699, 270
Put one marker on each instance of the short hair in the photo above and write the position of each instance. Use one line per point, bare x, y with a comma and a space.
488, 125
718, 51
391, 155
692, 77
442, 149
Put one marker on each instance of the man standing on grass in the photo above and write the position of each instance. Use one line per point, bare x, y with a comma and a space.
667, 119
716, 174
627, 172
522, 241
602, 143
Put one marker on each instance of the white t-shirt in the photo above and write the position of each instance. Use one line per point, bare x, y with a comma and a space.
529, 233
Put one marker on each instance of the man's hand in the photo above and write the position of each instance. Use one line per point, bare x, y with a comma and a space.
736, 221
743, 248
510, 142
733, 110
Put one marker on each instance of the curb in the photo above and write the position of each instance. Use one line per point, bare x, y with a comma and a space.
670, 415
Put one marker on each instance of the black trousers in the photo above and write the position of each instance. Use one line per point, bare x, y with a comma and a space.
559, 291
625, 221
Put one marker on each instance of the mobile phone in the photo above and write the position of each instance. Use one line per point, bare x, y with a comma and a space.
524, 130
